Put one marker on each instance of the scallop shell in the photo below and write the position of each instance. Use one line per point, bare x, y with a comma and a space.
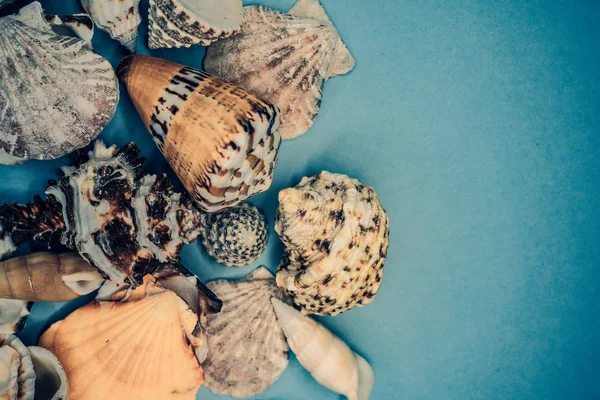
141, 348
221, 141
120, 18
78, 25
281, 58
66, 93
13, 315
25, 379
247, 349
50, 376
236, 236
182, 23
335, 233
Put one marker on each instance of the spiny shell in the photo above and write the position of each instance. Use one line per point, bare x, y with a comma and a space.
221, 141
25, 374
280, 58
79, 25
181, 23
141, 348
335, 233
13, 315
120, 18
50, 376
236, 236
66, 93
247, 349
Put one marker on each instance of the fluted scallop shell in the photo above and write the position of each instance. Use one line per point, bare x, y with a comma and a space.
120, 18
13, 351
50, 376
221, 141
236, 236
182, 23
56, 95
281, 58
247, 348
142, 348
335, 233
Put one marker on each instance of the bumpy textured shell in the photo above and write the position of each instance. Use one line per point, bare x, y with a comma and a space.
120, 221
236, 236
79, 25
247, 349
26, 375
280, 58
56, 95
142, 348
220, 140
120, 18
182, 23
335, 233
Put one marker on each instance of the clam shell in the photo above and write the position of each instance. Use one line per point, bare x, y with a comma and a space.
336, 236
120, 18
221, 141
142, 348
247, 349
182, 23
50, 376
66, 93
281, 58
25, 373
236, 236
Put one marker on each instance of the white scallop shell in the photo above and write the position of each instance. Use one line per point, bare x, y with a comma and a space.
120, 18
56, 95
182, 23
247, 349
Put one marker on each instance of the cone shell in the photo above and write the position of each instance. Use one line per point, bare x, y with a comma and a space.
120, 18
142, 348
50, 376
281, 58
221, 141
247, 349
335, 233
13, 351
182, 23
66, 93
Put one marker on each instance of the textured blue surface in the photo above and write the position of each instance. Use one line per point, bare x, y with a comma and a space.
478, 124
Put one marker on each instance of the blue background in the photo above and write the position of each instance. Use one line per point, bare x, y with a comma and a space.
478, 125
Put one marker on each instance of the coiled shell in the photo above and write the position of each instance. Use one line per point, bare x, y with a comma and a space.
50, 377
236, 236
78, 25
182, 23
15, 362
120, 18
335, 233
247, 349
56, 95
221, 141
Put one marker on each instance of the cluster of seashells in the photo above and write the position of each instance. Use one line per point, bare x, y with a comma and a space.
154, 330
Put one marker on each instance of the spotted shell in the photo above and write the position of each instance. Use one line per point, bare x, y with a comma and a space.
120, 18
335, 233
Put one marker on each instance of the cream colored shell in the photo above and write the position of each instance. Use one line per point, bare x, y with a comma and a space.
120, 18
15, 354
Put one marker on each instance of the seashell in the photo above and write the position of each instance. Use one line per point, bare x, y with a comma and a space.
181, 23
328, 359
139, 348
342, 61
47, 277
66, 93
335, 233
7, 246
236, 236
221, 141
120, 18
13, 315
247, 349
281, 58
77, 25
50, 377
14, 355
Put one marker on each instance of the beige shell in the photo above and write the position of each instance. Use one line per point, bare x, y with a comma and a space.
335, 233
47, 277
13, 353
182, 23
221, 141
76, 25
139, 348
281, 58
120, 18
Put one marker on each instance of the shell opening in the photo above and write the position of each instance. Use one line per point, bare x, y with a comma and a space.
51, 380
83, 283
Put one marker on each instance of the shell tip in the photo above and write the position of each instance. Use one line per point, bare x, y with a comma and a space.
124, 68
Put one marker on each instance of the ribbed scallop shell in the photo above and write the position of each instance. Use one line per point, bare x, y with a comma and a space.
182, 23
26, 376
120, 18
335, 233
281, 58
56, 95
221, 141
137, 349
247, 348
236, 236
